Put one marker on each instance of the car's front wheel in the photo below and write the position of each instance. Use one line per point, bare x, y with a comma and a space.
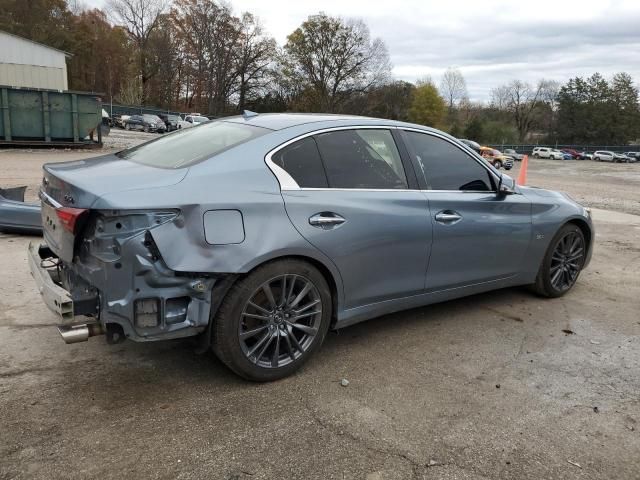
562, 263
497, 164
272, 320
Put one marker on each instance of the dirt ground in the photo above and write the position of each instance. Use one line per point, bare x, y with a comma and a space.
503, 385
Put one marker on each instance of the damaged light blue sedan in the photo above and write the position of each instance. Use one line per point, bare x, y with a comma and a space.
259, 233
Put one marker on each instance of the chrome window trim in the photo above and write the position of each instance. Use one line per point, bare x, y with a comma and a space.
288, 184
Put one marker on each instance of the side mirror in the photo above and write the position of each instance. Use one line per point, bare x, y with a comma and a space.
506, 186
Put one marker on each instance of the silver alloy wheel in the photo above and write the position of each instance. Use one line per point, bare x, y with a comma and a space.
566, 261
280, 320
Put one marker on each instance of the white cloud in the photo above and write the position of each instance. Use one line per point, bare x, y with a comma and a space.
492, 41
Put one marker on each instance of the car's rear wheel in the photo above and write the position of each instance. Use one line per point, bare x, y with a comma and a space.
535, 155
273, 320
497, 164
562, 263
127, 126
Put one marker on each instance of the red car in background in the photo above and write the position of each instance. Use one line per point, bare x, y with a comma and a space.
574, 153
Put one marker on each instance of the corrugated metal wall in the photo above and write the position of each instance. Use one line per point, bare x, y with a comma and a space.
27, 64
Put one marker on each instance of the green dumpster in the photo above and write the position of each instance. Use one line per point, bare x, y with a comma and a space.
31, 116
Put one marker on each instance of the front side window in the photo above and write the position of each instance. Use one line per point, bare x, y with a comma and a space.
302, 161
190, 145
445, 166
361, 158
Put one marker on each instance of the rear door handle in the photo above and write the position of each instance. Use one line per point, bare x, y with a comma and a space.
326, 220
448, 217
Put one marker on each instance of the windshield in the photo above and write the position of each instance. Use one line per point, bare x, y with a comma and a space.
200, 119
188, 146
151, 118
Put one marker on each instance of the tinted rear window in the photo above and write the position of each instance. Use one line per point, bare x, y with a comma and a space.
302, 161
190, 145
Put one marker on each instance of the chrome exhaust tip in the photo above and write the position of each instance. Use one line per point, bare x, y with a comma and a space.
79, 333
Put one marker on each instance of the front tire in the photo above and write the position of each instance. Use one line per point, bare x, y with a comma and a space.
498, 164
272, 320
562, 263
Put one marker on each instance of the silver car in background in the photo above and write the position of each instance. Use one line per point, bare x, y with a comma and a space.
259, 233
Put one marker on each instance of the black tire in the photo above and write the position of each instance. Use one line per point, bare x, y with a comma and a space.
535, 155
230, 322
498, 164
127, 126
545, 284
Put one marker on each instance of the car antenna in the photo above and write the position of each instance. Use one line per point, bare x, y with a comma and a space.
248, 114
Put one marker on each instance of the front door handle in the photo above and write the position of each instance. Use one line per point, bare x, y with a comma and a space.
326, 220
448, 217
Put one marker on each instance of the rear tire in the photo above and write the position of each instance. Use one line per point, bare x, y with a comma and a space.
498, 164
273, 320
562, 262
127, 126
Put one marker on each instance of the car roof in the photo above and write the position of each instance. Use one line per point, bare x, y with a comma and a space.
280, 121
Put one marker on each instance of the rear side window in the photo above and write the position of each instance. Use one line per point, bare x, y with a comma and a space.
445, 166
190, 145
361, 158
302, 161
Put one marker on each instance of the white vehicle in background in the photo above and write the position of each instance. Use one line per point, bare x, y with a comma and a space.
192, 121
609, 156
547, 152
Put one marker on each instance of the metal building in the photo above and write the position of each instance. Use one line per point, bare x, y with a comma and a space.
25, 63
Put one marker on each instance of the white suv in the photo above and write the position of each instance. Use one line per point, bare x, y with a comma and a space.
547, 152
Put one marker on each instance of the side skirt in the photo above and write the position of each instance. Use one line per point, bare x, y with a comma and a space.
366, 312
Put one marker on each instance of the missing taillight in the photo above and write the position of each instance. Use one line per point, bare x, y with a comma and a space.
71, 218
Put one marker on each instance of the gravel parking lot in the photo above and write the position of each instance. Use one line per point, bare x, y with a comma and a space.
501, 385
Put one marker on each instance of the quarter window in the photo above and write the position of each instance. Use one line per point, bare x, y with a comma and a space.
445, 166
302, 161
361, 158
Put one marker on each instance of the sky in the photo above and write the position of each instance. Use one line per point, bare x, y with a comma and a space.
490, 41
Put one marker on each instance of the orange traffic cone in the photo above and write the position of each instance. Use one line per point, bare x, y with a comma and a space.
522, 176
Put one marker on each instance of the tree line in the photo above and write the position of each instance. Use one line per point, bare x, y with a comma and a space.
198, 55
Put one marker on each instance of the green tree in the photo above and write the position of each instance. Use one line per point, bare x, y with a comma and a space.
427, 106
474, 130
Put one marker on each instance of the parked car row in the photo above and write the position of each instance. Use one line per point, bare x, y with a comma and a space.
164, 122
598, 156
608, 156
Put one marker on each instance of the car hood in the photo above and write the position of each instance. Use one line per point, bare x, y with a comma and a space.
81, 183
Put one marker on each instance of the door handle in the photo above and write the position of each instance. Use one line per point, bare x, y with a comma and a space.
448, 217
326, 220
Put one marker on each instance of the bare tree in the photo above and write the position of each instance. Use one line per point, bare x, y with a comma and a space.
335, 58
256, 52
521, 100
140, 18
453, 87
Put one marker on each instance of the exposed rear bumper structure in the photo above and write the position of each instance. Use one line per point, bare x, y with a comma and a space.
55, 297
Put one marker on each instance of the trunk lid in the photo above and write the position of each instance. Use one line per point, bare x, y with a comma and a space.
79, 184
